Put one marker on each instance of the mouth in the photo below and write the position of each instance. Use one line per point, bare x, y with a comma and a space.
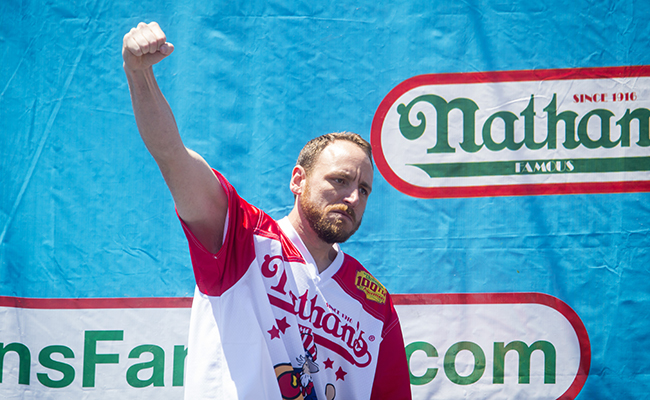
345, 212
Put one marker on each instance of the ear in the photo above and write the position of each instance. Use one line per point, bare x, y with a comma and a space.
298, 180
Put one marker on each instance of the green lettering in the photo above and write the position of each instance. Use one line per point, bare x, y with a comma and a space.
529, 128
157, 364
509, 139
430, 351
180, 353
45, 358
466, 106
24, 360
643, 116
524, 352
604, 140
450, 363
91, 358
569, 119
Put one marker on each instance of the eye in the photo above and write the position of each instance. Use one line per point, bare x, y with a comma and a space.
364, 191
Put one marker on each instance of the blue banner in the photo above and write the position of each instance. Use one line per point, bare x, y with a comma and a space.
544, 201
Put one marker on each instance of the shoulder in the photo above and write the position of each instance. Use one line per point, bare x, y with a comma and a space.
241, 214
364, 281
360, 284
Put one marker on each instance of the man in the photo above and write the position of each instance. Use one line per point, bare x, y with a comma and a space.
279, 311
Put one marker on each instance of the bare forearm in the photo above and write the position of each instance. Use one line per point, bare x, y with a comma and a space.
199, 198
154, 117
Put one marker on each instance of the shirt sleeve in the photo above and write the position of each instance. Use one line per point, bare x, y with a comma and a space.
216, 273
392, 380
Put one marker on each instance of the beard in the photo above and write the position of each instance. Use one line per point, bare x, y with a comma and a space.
328, 225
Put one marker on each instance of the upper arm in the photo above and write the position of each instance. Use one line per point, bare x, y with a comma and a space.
200, 199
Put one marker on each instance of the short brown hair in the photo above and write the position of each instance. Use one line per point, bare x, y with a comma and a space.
309, 154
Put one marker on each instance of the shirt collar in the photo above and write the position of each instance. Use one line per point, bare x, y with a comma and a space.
291, 233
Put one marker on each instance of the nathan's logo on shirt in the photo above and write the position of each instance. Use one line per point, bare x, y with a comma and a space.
516, 133
332, 328
371, 287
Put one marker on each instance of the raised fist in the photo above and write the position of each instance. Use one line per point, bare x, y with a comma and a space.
144, 46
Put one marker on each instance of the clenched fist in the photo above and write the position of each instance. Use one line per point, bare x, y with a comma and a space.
144, 46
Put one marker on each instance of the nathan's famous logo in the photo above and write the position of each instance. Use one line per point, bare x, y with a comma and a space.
371, 287
329, 321
521, 132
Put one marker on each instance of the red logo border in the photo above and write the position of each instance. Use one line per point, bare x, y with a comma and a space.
499, 190
518, 298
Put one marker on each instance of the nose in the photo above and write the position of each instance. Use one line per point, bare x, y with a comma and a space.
352, 199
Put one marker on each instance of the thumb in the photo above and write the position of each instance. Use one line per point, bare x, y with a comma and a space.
166, 49
163, 51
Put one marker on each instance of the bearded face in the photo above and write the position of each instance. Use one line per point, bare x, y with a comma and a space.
328, 222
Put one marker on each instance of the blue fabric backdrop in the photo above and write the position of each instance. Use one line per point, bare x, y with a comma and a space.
85, 213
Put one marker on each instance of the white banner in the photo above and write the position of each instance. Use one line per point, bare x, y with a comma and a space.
478, 346
493, 346
93, 349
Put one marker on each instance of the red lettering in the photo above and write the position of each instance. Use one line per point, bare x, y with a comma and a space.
308, 310
280, 286
348, 331
594, 98
628, 96
269, 270
360, 346
333, 329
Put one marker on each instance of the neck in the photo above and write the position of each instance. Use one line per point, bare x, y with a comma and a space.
323, 253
